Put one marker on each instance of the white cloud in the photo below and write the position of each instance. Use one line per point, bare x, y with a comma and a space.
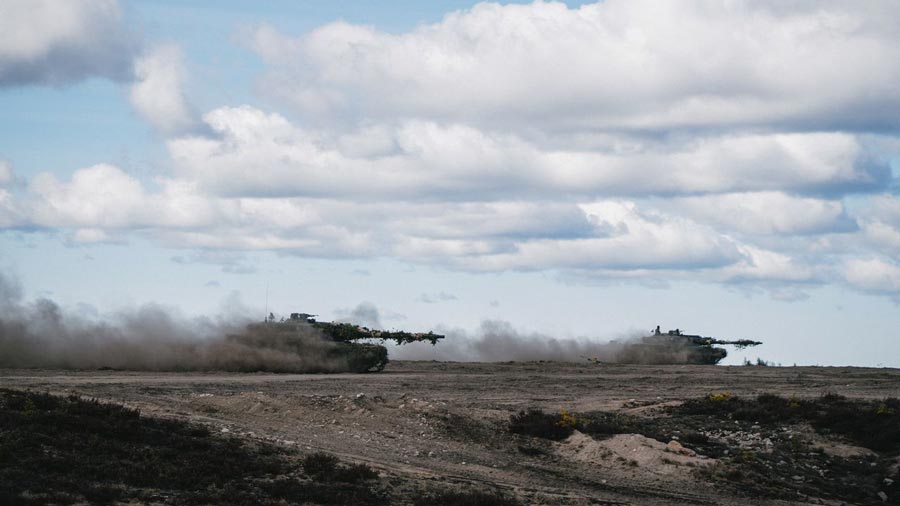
757, 264
105, 197
632, 64
98, 196
157, 93
885, 208
498, 219
625, 238
52, 42
10, 214
263, 154
493, 236
883, 237
766, 213
611, 238
874, 275
879, 218
6, 172
624, 139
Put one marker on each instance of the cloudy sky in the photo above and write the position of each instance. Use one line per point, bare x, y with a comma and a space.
583, 170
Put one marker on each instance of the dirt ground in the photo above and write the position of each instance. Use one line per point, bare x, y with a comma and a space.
434, 424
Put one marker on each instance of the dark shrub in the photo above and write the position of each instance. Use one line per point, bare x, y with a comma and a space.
536, 423
532, 451
319, 466
325, 468
873, 424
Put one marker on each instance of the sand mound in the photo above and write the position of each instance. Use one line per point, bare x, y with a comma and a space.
633, 450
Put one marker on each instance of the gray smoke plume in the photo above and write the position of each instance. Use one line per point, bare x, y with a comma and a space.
365, 314
40, 334
498, 341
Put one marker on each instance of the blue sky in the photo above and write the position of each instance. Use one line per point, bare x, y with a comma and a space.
577, 170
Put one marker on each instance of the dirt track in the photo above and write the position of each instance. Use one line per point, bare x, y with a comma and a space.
428, 422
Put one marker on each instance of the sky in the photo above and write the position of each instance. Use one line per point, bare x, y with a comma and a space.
576, 170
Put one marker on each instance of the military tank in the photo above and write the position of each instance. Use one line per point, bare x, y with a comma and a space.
676, 347
354, 343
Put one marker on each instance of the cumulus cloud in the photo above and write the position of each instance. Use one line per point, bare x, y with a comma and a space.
768, 213
883, 236
10, 214
6, 172
879, 218
625, 237
157, 93
611, 237
620, 64
594, 142
104, 196
263, 154
758, 264
56, 43
873, 275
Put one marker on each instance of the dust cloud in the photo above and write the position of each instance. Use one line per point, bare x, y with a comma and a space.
498, 341
40, 334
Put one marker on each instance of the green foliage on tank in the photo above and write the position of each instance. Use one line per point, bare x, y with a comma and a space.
342, 341
674, 346
346, 332
366, 357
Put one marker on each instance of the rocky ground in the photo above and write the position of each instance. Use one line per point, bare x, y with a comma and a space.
426, 426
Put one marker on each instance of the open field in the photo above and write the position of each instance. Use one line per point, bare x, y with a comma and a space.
429, 426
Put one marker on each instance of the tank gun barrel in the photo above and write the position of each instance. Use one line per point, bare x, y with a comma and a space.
706, 341
740, 343
349, 332
710, 341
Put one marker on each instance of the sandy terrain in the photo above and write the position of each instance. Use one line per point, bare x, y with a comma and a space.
429, 422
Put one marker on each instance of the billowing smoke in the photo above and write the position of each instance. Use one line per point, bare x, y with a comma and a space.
365, 314
498, 341
40, 334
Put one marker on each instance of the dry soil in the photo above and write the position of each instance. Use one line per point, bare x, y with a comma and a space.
435, 424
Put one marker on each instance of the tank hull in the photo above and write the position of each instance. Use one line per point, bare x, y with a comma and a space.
661, 350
